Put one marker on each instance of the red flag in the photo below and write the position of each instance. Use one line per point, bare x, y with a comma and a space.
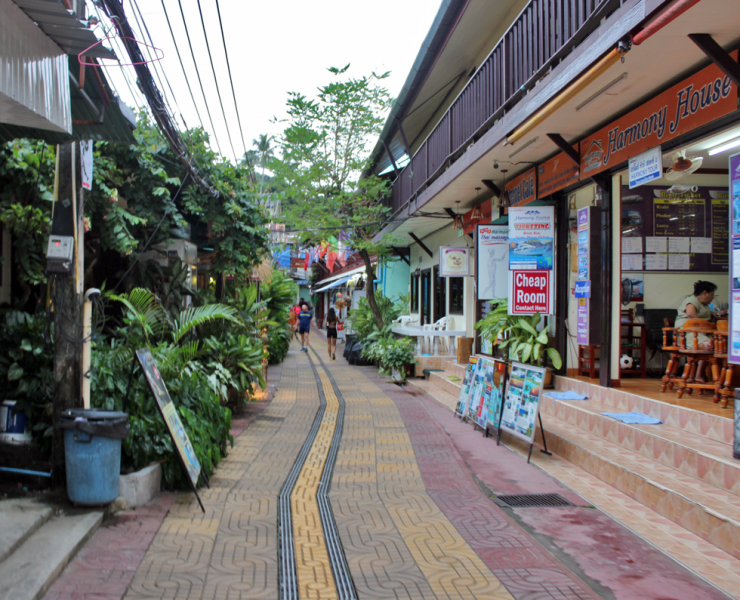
330, 260
324, 248
305, 262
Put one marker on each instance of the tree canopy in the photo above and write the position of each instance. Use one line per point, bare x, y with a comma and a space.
325, 149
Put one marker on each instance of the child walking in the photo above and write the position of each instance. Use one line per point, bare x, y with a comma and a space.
331, 333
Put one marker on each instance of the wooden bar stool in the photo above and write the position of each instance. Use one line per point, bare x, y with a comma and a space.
689, 347
670, 345
724, 389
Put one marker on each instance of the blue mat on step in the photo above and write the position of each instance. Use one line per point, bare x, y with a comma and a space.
569, 395
633, 418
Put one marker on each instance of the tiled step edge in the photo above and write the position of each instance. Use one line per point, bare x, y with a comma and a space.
700, 557
715, 467
441, 379
697, 518
712, 426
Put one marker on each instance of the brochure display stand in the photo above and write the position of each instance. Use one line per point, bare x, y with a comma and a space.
465, 393
167, 409
496, 396
521, 407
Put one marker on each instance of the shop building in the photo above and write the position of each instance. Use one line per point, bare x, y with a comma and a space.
622, 138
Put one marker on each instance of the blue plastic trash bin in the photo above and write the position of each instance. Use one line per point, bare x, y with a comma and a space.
92, 446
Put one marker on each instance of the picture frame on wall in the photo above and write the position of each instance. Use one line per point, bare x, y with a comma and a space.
454, 261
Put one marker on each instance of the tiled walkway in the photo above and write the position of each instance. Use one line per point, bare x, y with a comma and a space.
411, 499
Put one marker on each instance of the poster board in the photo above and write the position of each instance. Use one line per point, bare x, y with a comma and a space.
496, 395
464, 398
481, 384
733, 349
668, 230
493, 258
171, 418
523, 393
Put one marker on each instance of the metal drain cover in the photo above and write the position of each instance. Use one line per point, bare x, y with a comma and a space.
532, 501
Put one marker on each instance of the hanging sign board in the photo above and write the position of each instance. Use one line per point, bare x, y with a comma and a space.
183, 447
467, 385
523, 189
454, 261
486, 209
696, 101
531, 238
531, 291
523, 394
557, 173
86, 156
734, 342
646, 167
493, 260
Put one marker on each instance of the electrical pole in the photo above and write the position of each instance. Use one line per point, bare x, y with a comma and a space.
68, 297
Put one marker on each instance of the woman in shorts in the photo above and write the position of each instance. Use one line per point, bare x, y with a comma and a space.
331, 333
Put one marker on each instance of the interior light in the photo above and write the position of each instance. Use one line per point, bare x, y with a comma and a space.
724, 147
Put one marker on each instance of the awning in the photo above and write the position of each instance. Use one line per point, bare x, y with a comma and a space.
333, 285
345, 274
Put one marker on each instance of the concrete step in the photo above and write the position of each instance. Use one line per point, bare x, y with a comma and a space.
452, 367
703, 509
36, 563
19, 518
692, 454
447, 382
715, 427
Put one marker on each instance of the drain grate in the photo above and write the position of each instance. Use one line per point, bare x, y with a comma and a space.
532, 501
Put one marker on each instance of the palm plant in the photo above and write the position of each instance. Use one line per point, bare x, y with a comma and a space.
265, 152
518, 336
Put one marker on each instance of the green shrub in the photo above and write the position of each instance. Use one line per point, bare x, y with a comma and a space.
279, 294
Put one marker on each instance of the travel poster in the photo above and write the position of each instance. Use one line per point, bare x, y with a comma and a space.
477, 390
531, 238
169, 413
482, 391
522, 402
496, 394
464, 398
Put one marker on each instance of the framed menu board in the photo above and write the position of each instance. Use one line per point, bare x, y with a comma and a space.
681, 228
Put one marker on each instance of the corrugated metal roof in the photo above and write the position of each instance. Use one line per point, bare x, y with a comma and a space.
116, 126
63, 27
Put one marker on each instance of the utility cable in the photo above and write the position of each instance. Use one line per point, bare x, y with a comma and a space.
182, 66
215, 79
197, 71
228, 65
156, 67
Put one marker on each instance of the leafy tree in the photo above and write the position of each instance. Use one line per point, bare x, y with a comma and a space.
265, 153
325, 148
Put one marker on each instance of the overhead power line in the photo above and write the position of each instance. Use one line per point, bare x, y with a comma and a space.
182, 66
151, 52
200, 82
215, 79
116, 13
228, 65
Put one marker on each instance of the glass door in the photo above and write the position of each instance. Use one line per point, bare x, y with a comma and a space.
440, 295
426, 296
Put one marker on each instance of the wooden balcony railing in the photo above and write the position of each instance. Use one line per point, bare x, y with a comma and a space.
543, 33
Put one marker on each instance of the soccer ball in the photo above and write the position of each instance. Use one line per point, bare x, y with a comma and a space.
626, 362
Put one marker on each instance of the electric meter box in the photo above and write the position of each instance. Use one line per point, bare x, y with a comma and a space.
59, 253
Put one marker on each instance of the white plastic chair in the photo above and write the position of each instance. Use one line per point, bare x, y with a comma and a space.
406, 320
441, 325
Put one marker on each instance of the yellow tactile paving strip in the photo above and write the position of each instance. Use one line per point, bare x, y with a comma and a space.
383, 511
231, 551
315, 578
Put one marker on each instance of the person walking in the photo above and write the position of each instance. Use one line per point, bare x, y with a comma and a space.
331, 333
304, 326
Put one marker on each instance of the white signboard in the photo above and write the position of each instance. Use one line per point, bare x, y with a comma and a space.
454, 261
531, 238
493, 260
646, 167
86, 154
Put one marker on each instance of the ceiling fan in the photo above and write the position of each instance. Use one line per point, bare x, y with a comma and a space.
682, 165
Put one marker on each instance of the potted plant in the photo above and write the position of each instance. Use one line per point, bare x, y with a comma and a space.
518, 338
391, 355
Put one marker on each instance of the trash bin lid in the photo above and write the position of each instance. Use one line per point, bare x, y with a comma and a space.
93, 414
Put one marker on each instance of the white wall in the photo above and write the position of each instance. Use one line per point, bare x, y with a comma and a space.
447, 236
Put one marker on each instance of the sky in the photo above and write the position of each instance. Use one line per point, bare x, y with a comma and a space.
274, 47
